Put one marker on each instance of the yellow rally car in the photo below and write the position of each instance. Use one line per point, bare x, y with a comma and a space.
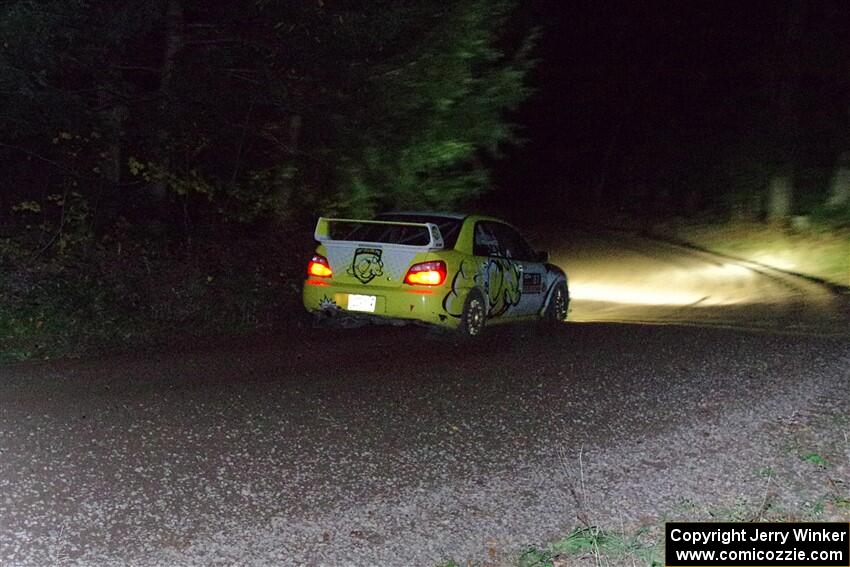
455, 271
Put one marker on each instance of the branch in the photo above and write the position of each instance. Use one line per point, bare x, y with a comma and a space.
242, 144
211, 41
44, 159
59, 230
135, 68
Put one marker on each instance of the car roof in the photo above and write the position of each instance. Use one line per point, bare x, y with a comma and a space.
448, 215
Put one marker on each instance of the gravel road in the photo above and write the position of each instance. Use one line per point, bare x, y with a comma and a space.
621, 277
391, 447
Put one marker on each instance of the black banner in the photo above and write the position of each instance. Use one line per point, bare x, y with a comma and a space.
738, 544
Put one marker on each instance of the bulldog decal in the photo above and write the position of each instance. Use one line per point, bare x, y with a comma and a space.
366, 265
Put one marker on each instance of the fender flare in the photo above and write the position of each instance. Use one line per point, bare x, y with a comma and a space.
559, 278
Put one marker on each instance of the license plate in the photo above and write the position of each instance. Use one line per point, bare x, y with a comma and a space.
361, 303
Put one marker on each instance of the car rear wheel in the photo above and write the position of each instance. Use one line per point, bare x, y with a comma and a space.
559, 304
474, 315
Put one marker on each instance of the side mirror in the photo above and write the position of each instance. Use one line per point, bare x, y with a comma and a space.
543, 257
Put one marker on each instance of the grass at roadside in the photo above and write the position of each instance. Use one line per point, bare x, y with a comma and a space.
821, 252
811, 472
590, 546
595, 546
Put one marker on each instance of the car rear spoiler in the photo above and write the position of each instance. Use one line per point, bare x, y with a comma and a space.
325, 225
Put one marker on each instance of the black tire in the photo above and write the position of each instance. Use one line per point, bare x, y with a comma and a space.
322, 320
559, 304
328, 320
474, 315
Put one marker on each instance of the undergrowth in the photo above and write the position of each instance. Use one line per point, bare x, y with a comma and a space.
105, 293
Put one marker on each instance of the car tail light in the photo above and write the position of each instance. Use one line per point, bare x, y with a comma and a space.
426, 273
319, 267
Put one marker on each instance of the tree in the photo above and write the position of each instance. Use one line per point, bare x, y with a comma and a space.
261, 107
432, 108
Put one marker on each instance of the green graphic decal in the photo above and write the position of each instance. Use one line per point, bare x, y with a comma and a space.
367, 264
502, 285
464, 279
497, 277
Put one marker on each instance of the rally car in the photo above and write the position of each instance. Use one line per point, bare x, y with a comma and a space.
452, 270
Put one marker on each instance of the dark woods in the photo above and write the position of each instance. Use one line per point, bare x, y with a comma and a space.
249, 111
162, 159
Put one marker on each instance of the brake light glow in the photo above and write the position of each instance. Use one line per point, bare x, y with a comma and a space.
426, 273
319, 267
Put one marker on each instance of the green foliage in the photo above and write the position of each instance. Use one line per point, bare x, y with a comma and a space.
50, 314
131, 293
65, 221
314, 105
190, 182
27, 206
836, 216
123, 128
594, 542
432, 109
814, 459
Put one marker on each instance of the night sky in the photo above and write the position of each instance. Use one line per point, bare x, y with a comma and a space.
658, 94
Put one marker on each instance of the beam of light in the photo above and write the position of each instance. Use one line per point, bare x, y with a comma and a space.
632, 295
716, 275
775, 261
734, 270
707, 285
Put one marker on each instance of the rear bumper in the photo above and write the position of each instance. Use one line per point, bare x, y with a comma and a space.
405, 304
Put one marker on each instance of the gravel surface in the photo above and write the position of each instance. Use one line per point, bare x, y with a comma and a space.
384, 446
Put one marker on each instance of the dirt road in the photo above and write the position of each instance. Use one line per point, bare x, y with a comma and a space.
385, 446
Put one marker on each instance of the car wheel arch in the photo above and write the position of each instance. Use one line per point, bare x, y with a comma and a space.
561, 279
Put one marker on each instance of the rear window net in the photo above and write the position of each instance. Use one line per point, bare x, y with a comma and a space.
411, 235
423, 235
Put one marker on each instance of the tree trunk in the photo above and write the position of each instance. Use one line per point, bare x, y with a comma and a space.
780, 194
286, 189
112, 113
839, 191
112, 119
174, 41
781, 188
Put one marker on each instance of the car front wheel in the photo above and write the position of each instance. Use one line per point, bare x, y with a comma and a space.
559, 304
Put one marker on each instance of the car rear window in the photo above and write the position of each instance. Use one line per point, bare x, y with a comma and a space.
449, 227
382, 233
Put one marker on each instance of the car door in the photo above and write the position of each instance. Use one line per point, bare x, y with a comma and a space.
533, 273
497, 275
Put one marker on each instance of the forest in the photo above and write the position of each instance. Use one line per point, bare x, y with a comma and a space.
164, 160
160, 157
